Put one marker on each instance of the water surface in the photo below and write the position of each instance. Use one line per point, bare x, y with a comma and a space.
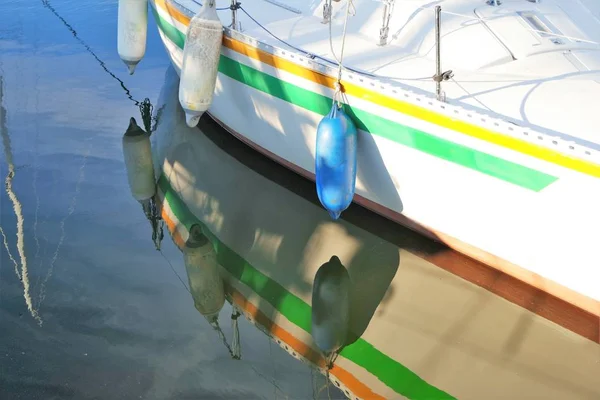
99, 313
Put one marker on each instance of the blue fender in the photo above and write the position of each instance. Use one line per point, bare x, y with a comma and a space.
335, 161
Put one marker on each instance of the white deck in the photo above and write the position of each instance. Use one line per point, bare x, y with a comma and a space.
501, 65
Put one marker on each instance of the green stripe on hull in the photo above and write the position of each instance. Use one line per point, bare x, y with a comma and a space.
174, 34
410, 137
389, 371
490, 165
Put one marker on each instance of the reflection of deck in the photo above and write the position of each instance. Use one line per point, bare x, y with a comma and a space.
419, 329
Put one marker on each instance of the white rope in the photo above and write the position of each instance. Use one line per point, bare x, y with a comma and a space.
470, 94
475, 17
235, 354
236, 348
593, 14
338, 85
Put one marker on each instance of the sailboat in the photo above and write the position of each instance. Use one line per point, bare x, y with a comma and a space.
477, 120
424, 321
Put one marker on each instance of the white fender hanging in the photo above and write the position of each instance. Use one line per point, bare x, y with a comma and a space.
207, 287
202, 268
137, 154
201, 55
132, 31
330, 307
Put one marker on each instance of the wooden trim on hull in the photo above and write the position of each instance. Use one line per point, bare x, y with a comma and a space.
548, 299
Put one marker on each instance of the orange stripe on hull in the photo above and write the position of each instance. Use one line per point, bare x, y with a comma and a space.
174, 12
357, 387
177, 238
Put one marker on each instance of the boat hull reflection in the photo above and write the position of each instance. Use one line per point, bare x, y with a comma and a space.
415, 329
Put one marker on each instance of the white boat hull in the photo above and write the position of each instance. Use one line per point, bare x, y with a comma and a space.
519, 213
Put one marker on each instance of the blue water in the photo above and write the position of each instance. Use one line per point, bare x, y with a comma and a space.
108, 317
